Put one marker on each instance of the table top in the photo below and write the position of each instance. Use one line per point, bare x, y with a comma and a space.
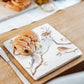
69, 22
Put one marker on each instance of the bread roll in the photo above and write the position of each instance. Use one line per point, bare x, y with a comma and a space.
26, 43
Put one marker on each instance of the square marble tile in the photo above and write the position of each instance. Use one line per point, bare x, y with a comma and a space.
53, 52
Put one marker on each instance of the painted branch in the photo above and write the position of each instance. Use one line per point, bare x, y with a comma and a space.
40, 62
59, 43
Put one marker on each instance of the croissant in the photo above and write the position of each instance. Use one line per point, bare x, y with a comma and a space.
23, 4
26, 43
18, 5
12, 6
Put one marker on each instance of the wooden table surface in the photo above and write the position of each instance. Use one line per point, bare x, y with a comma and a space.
70, 22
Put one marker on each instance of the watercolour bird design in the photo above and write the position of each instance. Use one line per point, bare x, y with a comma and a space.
61, 48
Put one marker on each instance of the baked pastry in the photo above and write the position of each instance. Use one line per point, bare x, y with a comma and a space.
26, 43
12, 6
4, 0
21, 3
18, 5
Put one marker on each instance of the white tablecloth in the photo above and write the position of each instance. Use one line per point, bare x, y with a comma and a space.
35, 15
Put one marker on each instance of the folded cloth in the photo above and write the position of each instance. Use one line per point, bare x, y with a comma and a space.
77, 78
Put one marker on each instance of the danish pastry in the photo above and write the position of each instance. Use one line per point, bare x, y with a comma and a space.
26, 43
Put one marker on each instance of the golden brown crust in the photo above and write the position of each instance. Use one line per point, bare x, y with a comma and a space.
18, 5
23, 4
1, 0
26, 43
12, 6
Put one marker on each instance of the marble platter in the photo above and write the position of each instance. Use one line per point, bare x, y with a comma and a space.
53, 52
